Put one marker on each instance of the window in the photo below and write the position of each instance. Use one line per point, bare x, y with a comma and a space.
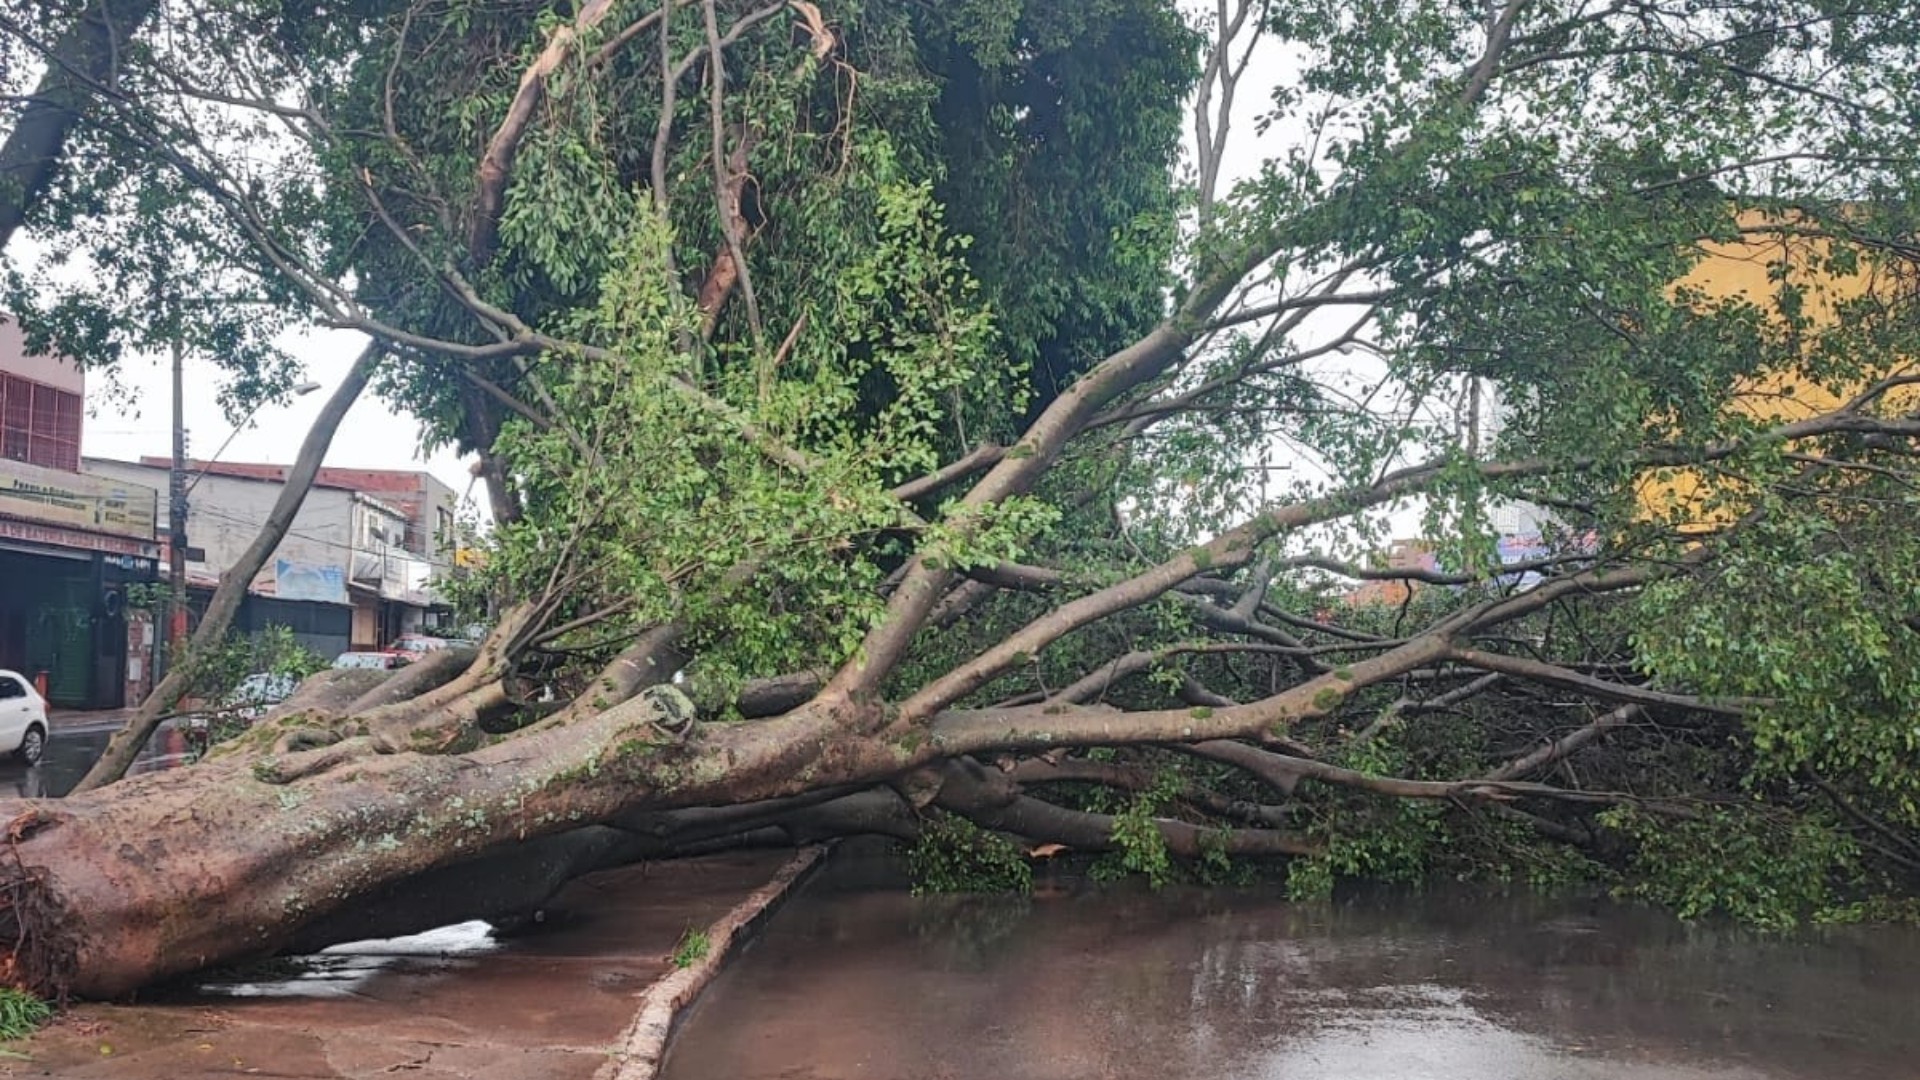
39, 425
11, 688
376, 531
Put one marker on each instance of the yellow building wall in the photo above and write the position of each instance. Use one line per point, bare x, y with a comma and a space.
1749, 270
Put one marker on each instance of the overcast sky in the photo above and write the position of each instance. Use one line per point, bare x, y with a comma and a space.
372, 436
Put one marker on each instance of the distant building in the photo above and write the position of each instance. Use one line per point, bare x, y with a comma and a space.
429, 507
358, 568
71, 543
1773, 253
1402, 555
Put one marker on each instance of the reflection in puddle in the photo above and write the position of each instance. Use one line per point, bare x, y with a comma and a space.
71, 752
1428, 1032
1242, 985
342, 970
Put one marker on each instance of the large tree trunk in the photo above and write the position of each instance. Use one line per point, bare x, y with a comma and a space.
164, 873
85, 57
256, 851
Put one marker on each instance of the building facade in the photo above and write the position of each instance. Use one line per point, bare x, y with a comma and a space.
353, 571
1772, 255
72, 543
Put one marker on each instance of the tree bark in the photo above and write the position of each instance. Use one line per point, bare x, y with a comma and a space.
164, 873
86, 55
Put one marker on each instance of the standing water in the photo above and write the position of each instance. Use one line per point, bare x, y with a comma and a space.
73, 749
856, 978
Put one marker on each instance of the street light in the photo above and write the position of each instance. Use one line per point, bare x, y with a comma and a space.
298, 391
177, 489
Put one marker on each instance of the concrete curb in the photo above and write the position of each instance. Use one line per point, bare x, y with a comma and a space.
642, 1047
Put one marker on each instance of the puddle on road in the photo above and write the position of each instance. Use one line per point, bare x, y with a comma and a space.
71, 753
855, 978
1434, 1032
344, 970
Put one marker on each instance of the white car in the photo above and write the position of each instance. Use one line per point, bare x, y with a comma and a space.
23, 718
248, 701
258, 693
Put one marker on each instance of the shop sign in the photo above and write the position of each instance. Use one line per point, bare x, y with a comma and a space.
77, 500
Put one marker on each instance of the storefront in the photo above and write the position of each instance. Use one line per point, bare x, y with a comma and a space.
64, 616
71, 545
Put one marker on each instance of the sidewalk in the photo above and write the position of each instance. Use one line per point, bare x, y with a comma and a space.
76, 720
557, 1004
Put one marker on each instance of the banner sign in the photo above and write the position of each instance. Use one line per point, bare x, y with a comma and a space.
140, 554
309, 581
78, 500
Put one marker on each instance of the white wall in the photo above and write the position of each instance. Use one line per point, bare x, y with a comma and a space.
54, 371
225, 513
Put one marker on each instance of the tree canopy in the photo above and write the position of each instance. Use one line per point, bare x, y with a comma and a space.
890, 376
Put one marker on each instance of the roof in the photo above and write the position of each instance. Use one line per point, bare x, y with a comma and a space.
366, 481
277, 474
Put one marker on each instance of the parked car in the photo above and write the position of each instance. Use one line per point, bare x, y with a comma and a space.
379, 661
420, 644
254, 695
258, 693
23, 718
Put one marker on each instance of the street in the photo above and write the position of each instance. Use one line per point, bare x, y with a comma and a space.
77, 741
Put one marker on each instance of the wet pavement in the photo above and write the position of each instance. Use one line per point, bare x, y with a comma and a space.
855, 978
546, 1004
77, 741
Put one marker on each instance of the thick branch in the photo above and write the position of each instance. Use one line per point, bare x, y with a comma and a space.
87, 55
1284, 774
1230, 550
496, 164
726, 188
1555, 675
1560, 748
991, 799
1433, 704
1054, 724
984, 456
425, 675
1036, 771
650, 661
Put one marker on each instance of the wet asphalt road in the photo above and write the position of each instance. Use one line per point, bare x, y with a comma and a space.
854, 980
76, 743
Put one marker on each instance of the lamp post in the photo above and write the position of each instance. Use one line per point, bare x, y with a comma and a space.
178, 487
201, 473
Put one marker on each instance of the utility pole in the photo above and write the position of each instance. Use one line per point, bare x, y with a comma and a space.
1473, 417
177, 518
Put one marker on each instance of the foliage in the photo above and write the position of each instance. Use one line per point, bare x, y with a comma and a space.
1757, 866
1366, 837
950, 211
21, 1014
1739, 629
1139, 845
692, 948
270, 651
953, 855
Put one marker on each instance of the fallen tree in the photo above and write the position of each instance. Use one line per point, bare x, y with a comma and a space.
924, 535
